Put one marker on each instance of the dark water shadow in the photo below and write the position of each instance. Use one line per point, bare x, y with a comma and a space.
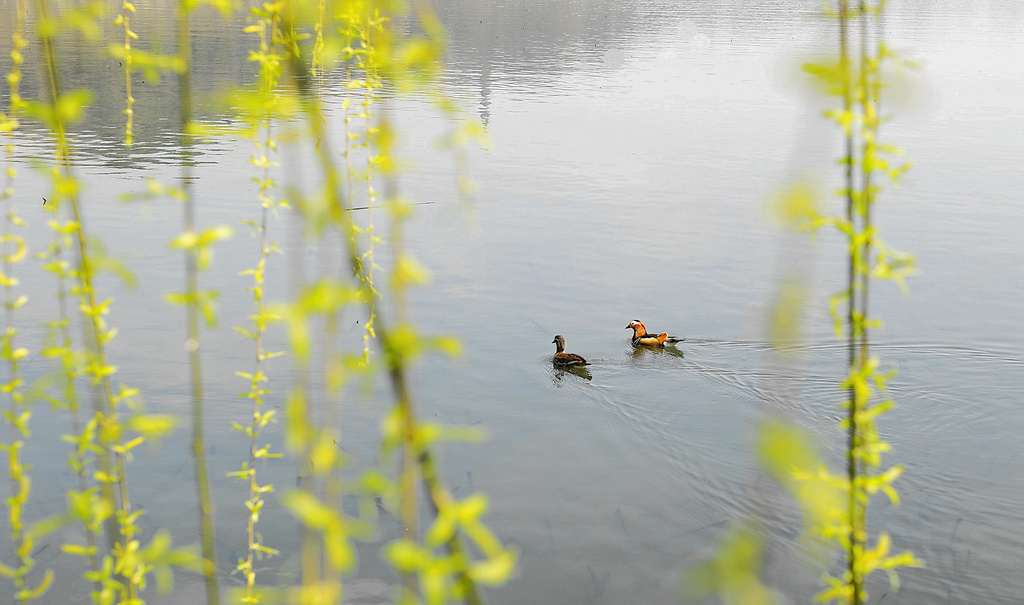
560, 373
640, 351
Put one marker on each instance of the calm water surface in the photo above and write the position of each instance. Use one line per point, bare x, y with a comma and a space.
633, 148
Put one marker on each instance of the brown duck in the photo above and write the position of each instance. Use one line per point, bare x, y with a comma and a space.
563, 359
641, 337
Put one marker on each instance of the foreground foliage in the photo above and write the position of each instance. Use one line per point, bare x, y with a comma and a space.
296, 44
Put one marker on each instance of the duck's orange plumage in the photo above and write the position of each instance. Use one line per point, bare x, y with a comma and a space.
641, 337
562, 358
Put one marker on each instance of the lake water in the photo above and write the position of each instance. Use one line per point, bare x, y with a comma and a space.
633, 149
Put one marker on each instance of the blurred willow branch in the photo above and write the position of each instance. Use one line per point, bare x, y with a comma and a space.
834, 505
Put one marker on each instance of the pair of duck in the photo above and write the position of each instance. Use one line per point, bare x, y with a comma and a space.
640, 338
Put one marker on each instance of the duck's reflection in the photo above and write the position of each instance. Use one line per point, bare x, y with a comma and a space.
580, 371
639, 351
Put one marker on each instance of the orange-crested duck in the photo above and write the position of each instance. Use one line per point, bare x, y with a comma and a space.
641, 337
563, 359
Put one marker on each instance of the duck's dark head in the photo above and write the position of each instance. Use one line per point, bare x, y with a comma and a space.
559, 342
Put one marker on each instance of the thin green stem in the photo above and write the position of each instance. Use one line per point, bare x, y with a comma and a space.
867, 155
77, 460
112, 458
854, 325
126, 9
16, 471
370, 82
338, 211
192, 307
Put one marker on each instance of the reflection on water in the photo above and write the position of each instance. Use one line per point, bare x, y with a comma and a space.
559, 373
634, 144
642, 352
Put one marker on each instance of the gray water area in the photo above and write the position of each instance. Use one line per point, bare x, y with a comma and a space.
633, 148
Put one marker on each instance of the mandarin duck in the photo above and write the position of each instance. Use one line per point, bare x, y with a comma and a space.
641, 337
563, 359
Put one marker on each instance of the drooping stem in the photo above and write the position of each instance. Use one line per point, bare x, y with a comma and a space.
112, 454
262, 127
192, 307
854, 319
78, 459
868, 134
416, 457
17, 472
129, 111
